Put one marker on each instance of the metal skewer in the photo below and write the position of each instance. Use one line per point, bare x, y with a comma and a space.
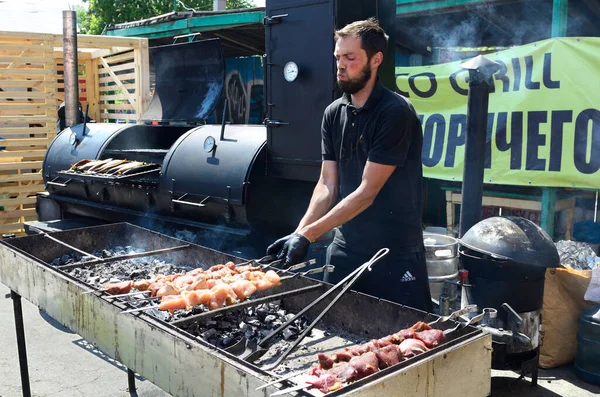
289, 390
140, 309
487, 312
125, 295
456, 314
69, 246
120, 257
282, 379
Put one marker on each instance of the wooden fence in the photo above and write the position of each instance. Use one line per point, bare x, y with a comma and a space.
113, 81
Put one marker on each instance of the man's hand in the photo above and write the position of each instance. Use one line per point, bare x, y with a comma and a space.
292, 249
275, 248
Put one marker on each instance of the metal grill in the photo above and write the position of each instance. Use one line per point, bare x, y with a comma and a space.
167, 349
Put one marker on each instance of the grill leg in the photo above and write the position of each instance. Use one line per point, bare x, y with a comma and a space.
131, 381
20, 329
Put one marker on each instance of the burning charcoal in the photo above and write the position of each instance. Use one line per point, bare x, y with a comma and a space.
290, 332
209, 334
264, 333
211, 324
262, 312
270, 318
139, 273
288, 317
224, 325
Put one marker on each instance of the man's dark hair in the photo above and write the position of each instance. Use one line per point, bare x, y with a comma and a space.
372, 37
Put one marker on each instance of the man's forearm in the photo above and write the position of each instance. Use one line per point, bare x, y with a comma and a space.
321, 202
344, 211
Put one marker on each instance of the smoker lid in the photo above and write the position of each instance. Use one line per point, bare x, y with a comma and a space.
189, 81
512, 239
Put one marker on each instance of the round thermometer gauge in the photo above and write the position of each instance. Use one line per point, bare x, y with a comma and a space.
209, 144
290, 71
73, 138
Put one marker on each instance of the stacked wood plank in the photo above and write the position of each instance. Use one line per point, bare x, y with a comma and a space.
113, 80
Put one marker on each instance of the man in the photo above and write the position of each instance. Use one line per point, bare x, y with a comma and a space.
371, 149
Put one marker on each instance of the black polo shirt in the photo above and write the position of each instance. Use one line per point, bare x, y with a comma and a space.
386, 130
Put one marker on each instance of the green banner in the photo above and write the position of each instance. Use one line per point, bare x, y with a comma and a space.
543, 117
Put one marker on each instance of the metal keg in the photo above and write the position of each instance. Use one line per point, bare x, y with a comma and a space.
441, 255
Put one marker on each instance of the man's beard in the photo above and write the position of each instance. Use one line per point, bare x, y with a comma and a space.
352, 86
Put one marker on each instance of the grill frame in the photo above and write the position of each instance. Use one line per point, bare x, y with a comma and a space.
169, 352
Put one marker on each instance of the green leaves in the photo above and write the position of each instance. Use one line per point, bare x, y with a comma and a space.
101, 13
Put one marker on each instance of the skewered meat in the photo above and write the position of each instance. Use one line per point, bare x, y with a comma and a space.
195, 298
388, 356
221, 294
172, 303
167, 289
119, 288
141, 285
327, 362
412, 347
420, 326
324, 383
243, 288
357, 368
431, 338
357, 362
220, 285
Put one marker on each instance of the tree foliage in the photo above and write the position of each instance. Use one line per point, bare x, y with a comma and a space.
101, 13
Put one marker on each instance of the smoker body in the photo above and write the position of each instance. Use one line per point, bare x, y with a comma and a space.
190, 183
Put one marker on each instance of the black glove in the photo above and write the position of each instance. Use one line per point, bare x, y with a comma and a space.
292, 248
275, 248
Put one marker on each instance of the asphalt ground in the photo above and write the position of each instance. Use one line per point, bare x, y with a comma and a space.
62, 364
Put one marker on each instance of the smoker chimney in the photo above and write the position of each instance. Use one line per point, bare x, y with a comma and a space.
219, 5
70, 65
480, 70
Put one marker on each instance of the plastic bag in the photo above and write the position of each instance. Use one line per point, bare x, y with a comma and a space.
592, 293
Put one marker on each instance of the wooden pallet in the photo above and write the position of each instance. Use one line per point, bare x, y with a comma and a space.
32, 88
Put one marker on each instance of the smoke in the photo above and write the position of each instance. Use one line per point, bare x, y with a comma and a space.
484, 25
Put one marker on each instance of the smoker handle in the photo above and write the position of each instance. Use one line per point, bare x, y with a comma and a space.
200, 204
58, 183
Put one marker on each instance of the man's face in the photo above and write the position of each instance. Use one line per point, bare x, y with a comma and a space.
353, 66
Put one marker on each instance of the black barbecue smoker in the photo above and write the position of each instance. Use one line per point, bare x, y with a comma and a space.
237, 186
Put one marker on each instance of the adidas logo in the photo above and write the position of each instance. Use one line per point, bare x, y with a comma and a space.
407, 277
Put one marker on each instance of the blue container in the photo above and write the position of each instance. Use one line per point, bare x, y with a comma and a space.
587, 361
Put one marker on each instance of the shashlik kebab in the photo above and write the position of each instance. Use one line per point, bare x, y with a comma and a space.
355, 363
220, 284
